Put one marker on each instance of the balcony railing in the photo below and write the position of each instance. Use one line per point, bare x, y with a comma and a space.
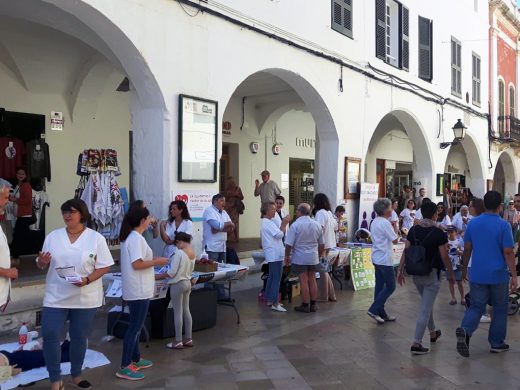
509, 128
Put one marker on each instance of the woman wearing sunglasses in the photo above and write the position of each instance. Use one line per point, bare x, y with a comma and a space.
72, 250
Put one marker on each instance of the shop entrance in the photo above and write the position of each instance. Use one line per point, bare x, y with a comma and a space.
274, 117
397, 176
301, 179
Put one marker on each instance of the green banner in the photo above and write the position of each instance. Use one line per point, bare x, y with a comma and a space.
361, 268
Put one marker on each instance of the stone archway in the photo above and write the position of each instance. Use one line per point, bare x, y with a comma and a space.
149, 121
504, 177
410, 146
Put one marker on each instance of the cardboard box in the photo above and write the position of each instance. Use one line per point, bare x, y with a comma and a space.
206, 267
295, 290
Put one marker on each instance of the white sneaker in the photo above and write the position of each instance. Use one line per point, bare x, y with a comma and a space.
376, 318
279, 308
485, 319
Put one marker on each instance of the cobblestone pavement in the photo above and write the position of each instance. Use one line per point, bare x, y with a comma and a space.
339, 347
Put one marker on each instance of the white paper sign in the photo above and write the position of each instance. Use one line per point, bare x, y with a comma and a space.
197, 201
368, 195
57, 121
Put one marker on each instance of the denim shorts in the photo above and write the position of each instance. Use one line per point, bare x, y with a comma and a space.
300, 269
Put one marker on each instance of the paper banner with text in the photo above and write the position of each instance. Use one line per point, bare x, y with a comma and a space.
367, 196
197, 201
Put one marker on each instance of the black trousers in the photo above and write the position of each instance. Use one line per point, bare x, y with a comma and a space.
21, 237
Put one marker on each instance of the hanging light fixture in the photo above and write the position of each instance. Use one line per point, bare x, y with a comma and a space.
459, 132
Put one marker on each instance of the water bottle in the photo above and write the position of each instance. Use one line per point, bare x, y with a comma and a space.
22, 334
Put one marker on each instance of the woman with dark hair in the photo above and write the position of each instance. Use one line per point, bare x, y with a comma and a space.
181, 267
153, 229
429, 236
138, 279
22, 199
82, 253
325, 218
443, 219
179, 220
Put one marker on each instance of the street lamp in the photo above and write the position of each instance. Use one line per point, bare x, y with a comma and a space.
459, 131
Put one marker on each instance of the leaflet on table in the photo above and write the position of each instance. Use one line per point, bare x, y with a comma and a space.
69, 274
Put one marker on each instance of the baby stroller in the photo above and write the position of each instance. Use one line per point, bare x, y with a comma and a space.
286, 282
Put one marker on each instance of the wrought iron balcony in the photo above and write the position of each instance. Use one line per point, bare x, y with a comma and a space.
509, 128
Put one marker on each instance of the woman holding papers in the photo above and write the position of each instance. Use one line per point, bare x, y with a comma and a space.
138, 279
76, 257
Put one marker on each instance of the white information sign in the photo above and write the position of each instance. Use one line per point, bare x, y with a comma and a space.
368, 195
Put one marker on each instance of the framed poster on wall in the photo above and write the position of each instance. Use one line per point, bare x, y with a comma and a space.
198, 139
352, 178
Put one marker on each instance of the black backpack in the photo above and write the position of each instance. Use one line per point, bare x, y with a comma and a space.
415, 260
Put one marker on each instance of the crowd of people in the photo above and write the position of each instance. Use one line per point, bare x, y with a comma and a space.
476, 245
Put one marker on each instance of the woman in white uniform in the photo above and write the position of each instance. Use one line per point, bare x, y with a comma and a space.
323, 215
179, 220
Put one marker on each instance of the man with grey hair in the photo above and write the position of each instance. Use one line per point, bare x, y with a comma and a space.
6, 271
383, 237
303, 244
268, 190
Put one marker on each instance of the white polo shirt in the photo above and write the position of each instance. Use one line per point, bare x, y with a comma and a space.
382, 234
304, 236
271, 240
89, 252
328, 224
137, 283
278, 221
214, 242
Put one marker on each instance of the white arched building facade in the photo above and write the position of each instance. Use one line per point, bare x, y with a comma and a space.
299, 84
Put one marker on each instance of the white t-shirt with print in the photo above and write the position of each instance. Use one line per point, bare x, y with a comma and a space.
383, 235
137, 283
408, 218
326, 219
89, 252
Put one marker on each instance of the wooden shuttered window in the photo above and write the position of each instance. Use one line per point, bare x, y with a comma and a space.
425, 49
405, 40
381, 29
342, 17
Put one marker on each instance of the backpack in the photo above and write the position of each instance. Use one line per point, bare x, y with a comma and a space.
415, 260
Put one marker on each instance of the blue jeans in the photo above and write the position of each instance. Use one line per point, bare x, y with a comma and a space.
138, 313
496, 295
385, 286
272, 287
53, 322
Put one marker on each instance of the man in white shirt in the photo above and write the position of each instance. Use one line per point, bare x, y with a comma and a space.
461, 219
303, 244
6, 271
215, 227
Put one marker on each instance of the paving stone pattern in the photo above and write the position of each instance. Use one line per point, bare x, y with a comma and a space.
339, 347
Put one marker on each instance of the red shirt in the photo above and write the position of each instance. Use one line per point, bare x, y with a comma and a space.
12, 151
24, 202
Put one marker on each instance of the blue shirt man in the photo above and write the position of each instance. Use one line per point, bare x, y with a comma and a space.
489, 242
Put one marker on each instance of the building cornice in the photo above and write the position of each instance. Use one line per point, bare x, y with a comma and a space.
505, 16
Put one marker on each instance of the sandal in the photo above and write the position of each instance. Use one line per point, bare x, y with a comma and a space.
453, 302
188, 343
463, 302
178, 345
438, 334
82, 384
